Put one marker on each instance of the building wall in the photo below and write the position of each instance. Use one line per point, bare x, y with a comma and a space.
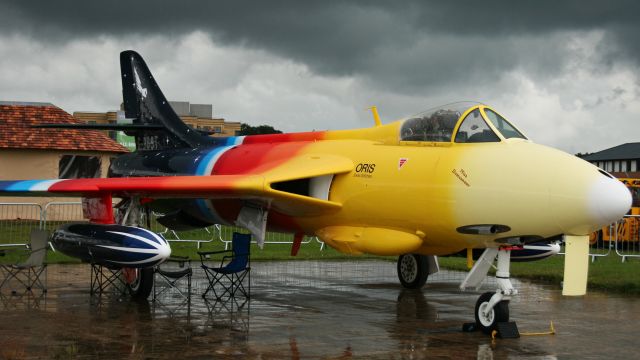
618, 165
219, 126
28, 164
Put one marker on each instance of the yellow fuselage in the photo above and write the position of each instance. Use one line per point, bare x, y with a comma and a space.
410, 196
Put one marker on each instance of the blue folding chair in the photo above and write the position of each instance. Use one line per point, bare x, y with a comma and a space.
227, 280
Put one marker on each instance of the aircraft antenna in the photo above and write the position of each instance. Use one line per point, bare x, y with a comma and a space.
376, 116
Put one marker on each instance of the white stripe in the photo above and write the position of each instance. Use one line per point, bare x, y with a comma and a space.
238, 140
214, 160
160, 238
137, 237
138, 262
537, 247
44, 185
128, 249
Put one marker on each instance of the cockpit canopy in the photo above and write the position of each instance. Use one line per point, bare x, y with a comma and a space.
471, 122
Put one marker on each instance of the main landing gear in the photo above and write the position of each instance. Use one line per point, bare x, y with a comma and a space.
491, 308
139, 282
414, 269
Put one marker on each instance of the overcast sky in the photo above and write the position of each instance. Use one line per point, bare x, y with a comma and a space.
566, 72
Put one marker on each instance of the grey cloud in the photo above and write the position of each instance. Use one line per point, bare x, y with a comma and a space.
345, 38
401, 55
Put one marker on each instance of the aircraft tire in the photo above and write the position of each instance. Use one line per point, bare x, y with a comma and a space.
142, 285
413, 270
499, 313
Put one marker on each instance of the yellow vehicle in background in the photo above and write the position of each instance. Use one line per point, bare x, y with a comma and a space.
628, 229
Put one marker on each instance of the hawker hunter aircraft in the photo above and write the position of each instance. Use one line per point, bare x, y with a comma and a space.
455, 178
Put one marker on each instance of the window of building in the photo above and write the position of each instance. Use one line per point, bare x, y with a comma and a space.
217, 129
609, 166
634, 166
616, 166
623, 166
78, 167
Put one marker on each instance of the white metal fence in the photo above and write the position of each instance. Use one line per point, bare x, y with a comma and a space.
17, 220
621, 239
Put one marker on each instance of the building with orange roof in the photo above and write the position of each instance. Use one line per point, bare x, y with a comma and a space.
28, 152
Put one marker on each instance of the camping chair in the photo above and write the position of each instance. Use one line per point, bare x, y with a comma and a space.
32, 271
227, 279
170, 274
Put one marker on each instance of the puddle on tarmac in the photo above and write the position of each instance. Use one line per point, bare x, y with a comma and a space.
307, 309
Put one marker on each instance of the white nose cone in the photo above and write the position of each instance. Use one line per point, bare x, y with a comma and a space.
609, 200
164, 250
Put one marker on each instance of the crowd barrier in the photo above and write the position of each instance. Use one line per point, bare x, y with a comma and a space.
621, 238
627, 237
17, 220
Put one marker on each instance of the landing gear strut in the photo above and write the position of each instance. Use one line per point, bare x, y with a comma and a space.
492, 307
139, 281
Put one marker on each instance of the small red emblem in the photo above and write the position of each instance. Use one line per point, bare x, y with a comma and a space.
402, 162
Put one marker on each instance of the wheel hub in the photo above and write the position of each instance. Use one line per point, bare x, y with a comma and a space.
409, 268
485, 315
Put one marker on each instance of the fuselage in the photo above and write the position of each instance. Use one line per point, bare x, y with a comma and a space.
444, 194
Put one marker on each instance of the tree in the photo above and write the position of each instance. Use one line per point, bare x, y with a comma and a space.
246, 129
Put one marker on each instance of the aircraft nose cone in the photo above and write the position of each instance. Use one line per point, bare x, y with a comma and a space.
609, 200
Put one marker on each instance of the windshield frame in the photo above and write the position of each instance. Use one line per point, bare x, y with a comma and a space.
461, 107
472, 106
494, 127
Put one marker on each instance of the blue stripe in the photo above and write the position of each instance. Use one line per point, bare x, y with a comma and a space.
204, 162
23, 185
232, 140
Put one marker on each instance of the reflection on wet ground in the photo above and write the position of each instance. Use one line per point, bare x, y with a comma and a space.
308, 309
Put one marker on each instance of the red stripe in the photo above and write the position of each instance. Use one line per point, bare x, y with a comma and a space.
256, 158
278, 138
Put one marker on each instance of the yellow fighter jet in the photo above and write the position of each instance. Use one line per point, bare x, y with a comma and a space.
456, 177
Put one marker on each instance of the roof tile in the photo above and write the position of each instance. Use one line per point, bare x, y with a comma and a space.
16, 131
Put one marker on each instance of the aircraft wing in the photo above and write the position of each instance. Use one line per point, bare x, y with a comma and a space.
269, 186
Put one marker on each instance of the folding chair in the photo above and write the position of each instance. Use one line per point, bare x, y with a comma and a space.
227, 279
30, 272
170, 274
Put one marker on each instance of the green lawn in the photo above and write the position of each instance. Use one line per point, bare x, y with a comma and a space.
606, 273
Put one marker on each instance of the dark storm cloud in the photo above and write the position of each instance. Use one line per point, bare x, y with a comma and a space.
402, 43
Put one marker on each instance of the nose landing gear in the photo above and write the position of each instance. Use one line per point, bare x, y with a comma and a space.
492, 307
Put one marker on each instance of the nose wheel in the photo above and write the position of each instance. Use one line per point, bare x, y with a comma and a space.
491, 308
488, 317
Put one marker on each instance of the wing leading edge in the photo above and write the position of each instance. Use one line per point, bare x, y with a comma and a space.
257, 187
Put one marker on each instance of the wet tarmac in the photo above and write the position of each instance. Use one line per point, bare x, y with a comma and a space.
309, 309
